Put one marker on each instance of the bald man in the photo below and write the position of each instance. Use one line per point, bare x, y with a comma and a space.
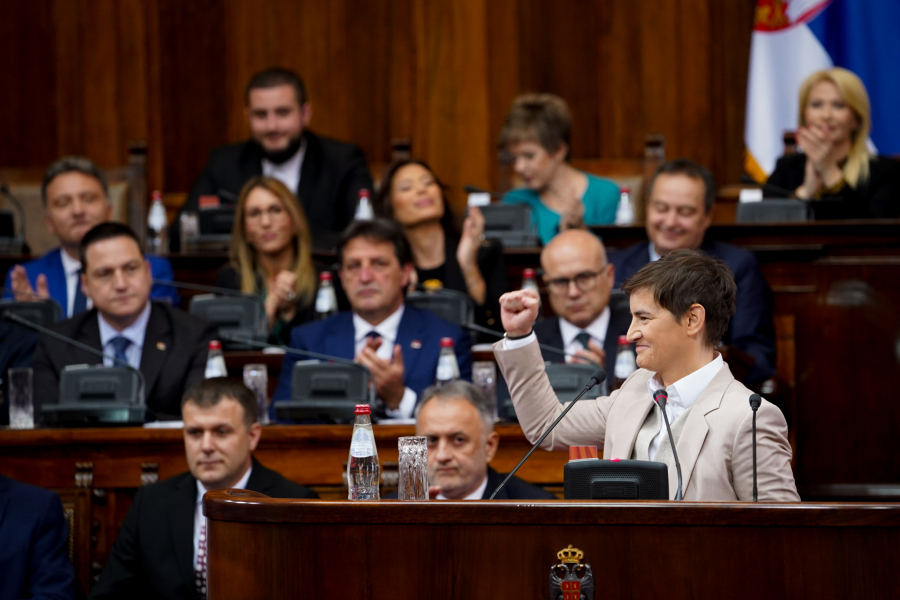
579, 280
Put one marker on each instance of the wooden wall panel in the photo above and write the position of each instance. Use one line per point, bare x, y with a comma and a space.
89, 76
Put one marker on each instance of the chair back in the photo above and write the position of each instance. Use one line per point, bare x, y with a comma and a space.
241, 316
509, 223
772, 211
41, 312
450, 305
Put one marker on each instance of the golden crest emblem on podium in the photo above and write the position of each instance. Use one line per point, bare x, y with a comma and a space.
571, 579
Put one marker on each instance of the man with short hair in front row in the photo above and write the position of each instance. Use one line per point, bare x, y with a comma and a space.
457, 420
680, 306
167, 345
161, 548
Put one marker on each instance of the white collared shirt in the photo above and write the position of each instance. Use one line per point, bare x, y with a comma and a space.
387, 329
477, 493
199, 519
596, 329
134, 333
287, 172
72, 269
682, 395
654, 255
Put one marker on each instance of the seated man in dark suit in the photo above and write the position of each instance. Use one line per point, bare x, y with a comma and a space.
399, 344
169, 347
161, 548
325, 174
458, 422
579, 280
76, 198
34, 559
679, 211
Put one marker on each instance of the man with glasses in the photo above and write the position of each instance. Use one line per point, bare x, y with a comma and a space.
579, 279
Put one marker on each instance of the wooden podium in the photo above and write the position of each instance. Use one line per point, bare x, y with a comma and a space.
266, 548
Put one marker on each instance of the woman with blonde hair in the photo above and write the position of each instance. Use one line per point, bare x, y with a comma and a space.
835, 162
271, 255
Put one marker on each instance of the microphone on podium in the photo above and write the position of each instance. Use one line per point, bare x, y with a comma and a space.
598, 377
660, 397
755, 401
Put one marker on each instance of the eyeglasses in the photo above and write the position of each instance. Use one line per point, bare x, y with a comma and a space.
585, 281
274, 212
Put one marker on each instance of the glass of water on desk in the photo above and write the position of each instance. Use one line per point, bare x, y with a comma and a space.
256, 377
21, 407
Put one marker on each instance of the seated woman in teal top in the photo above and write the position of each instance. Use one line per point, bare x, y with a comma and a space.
537, 132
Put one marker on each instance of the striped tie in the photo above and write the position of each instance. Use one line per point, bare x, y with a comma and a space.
200, 567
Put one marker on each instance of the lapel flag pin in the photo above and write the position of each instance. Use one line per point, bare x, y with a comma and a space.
415, 344
160, 345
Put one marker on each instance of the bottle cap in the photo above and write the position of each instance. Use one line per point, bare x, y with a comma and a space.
528, 273
325, 276
446, 342
624, 190
215, 345
156, 195
363, 409
363, 193
623, 339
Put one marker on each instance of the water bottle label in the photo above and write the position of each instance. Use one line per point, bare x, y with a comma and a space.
362, 444
625, 365
325, 301
446, 370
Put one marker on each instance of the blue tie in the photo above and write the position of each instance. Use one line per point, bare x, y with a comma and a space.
80, 304
120, 345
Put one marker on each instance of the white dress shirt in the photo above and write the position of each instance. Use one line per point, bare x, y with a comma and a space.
287, 172
134, 333
199, 519
72, 269
477, 494
654, 255
596, 329
682, 395
387, 329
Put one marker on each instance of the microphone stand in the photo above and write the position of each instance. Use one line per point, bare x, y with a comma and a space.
598, 376
755, 401
660, 397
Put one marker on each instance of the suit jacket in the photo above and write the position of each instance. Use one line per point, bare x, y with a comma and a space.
331, 176
34, 559
515, 489
715, 447
176, 347
335, 336
751, 328
549, 334
51, 265
153, 557
17, 346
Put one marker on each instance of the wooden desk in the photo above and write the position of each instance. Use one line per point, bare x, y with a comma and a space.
486, 550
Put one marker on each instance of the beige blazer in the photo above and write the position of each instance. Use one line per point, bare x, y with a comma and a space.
715, 447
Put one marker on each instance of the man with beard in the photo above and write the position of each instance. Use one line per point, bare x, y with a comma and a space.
326, 175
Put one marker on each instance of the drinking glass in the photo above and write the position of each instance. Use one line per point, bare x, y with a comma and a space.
484, 377
190, 230
413, 468
21, 407
256, 377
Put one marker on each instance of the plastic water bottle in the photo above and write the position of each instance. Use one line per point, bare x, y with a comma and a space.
363, 468
447, 367
625, 211
326, 300
625, 362
157, 226
215, 361
364, 210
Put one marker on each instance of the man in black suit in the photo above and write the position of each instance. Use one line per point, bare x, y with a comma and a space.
458, 422
679, 211
169, 347
161, 548
325, 174
589, 320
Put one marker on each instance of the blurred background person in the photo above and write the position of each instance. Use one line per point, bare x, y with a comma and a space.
443, 256
835, 161
537, 133
271, 255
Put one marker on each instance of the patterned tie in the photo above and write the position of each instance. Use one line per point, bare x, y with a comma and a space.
80, 304
583, 338
200, 567
120, 345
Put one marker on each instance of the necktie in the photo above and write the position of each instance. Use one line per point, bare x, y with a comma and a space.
80, 304
120, 345
373, 335
200, 567
583, 338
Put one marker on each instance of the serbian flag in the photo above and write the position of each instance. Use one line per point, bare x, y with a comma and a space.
794, 38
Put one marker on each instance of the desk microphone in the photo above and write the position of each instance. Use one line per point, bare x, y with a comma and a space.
755, 401
499, 336
660, 397
9, 316
20, 235
597, 377
370, 379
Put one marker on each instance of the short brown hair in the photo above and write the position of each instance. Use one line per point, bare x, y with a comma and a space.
685, 277
541, 118
209, 392
275, 77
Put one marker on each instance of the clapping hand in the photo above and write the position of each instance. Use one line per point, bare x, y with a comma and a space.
22, 289
388, 374
281, 297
